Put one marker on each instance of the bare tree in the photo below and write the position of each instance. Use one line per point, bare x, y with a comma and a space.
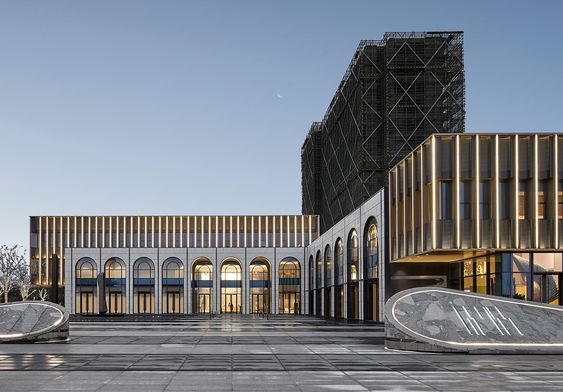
24, 282
42, 294
11, 261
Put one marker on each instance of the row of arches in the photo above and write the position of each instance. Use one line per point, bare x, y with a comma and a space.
331, 273
172, 286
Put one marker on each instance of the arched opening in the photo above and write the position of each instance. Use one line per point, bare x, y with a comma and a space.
319, 284
173, 285
143, 286
86, 286
115, 281
259, 274
353, 276
202, 286
231, 287
290, 286
311, 286
328, 281
371, 270
339, 279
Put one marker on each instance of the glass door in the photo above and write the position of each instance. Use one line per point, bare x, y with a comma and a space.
173, 304
144, 302
115, 302
230, 300
203, 303
86, 302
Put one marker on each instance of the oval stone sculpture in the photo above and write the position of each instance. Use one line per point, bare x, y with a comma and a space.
32, 320
444, 320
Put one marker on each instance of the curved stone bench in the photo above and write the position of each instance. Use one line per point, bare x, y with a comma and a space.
444, 320
32, 320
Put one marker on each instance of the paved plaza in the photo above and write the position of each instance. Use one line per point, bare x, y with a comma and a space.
245, 353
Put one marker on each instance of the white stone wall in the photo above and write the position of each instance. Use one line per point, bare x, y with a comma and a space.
187, 256
357, 219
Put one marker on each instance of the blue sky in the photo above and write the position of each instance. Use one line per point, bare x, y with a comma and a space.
178, 107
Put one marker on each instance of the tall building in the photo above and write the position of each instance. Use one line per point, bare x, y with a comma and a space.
394, 94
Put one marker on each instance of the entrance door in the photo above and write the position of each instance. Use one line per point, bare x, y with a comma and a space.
144, 302
115, 299
203, 303
230, 300
173, 302
86, 302
259, 303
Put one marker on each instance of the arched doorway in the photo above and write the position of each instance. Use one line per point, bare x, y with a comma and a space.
338, 279
86, 286
143, 286
311, 286
115, 281
259, 275
173, 286
290, 286
353, 276
371, 271
328, 281
231, 287
319, 284
202, 286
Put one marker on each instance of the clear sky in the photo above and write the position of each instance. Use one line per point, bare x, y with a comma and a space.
179, 107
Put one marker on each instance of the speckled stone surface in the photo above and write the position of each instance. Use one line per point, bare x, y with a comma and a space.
437, 319
32, 320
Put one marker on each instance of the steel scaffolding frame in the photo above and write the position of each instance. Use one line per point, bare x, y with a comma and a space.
395, 92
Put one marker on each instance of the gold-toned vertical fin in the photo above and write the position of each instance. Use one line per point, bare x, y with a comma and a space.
497, 191
516, 194
477, 197
457, 192
556, 191
536, 190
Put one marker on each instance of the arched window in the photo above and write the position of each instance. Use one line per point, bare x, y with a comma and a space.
173, 286
319, 270
371, 251
86, 268
328, 266
115, 269
231, 271
173, 269
259, 286
311, 273
86, 286
143, 269
290, 286
353, 257
202, 286
143, 286
339, 262
115, 282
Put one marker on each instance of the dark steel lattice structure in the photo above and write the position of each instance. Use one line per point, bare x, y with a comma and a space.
394, 94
